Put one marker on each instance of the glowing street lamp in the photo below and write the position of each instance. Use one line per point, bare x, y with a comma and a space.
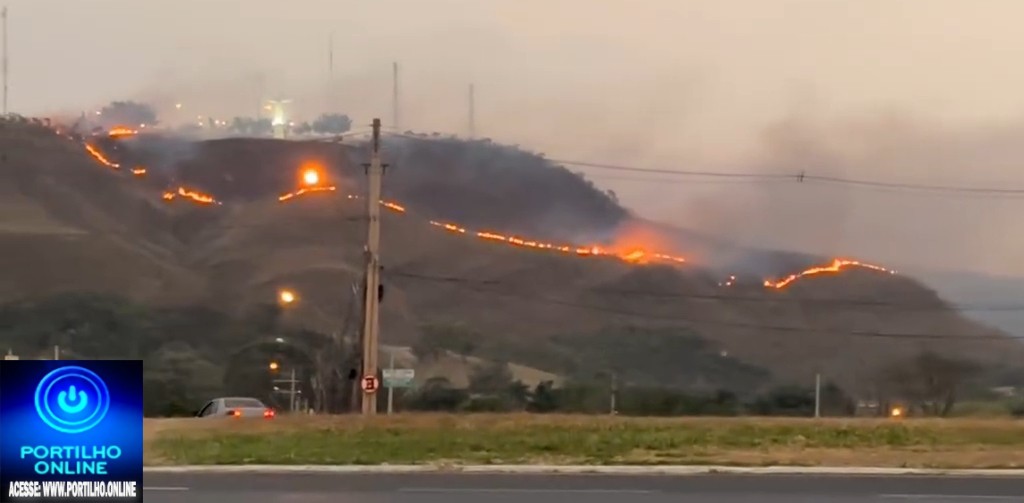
310, 177
286, 296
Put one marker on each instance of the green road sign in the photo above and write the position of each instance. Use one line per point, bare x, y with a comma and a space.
398, 378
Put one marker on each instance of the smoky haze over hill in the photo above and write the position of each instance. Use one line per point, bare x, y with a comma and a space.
921, 91
529, 306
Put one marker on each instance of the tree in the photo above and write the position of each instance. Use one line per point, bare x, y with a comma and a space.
251, 127
332, 124
784, 401
436, 395
544, 398
491, 378
177, 381
930, 381
127, 113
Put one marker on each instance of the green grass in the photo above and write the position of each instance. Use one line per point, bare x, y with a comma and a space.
522, 439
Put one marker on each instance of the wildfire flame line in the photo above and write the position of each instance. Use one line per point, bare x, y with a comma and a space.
122, 131
190, 194
331, 188
837, 265
633, 256
96, 154
306, 190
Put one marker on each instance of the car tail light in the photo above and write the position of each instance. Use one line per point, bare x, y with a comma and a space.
235, 413
268, 414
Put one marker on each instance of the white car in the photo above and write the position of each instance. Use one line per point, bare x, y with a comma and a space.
239, 407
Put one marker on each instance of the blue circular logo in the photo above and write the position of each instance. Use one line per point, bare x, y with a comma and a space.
72, 399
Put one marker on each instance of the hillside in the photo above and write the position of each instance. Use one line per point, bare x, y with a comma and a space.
66, 225
76, 224
989, 299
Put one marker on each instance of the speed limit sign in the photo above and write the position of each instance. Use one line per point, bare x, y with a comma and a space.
370, 384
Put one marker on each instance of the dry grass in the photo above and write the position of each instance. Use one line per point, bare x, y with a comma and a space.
497, 439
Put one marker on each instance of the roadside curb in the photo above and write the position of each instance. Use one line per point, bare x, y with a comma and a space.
584, 470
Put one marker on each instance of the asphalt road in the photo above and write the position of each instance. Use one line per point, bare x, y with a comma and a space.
473, 488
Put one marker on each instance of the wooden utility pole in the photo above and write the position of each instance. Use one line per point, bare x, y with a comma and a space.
4, 15
371, 325
472, 111
394, 97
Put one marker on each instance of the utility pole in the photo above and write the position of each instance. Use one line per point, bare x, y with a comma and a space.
5, 58
391, 388
371, 321
394, 97
291, 391
330, 74
56, 352
472, 111
615, 391
817, 395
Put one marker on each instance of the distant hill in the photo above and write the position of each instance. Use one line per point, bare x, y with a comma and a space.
81, 225
994, 300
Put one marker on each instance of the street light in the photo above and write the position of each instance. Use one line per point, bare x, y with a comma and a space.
310, 177
274, 366
286, 296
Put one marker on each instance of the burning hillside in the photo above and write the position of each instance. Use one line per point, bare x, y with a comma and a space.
633, 245
509, 268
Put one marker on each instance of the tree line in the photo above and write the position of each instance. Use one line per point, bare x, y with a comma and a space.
194, 353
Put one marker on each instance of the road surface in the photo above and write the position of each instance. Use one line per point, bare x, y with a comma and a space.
473, 488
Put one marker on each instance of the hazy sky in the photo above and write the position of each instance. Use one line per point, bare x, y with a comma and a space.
921, 91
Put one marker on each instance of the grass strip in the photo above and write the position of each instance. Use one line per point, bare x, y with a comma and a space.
540, 439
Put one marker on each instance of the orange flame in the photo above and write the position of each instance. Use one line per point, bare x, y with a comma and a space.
449, 227
634, 255
190, 194
139, 171
310, 177
307, 190
637, 256
836, 266
96, 154
120, 131
393, 206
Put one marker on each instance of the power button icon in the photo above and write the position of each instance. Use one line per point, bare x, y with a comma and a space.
72, 399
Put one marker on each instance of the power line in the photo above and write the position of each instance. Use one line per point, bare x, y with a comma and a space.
769, 298
934, 306
532, 297
799, 177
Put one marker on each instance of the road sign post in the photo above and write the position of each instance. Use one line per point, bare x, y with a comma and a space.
396, 378
370, 384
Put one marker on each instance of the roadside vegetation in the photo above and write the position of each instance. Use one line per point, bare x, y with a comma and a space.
195, 353
590, 440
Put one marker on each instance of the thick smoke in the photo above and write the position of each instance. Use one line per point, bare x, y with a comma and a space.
908, 228
666, 84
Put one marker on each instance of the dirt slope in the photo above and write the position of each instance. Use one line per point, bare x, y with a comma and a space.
68, 224
75, 224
